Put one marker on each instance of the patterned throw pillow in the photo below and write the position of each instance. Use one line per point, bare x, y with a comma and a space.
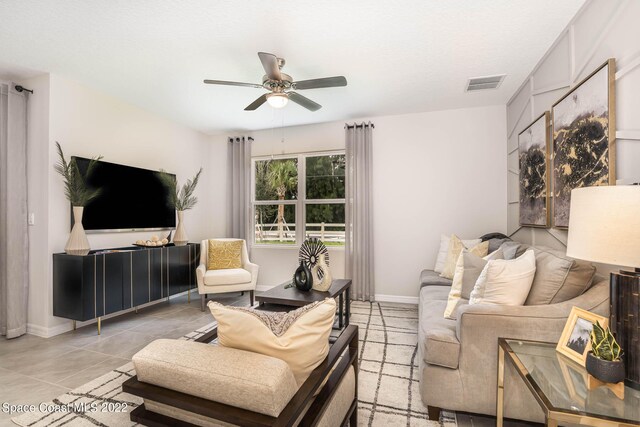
455, 248
224, 254
299, 337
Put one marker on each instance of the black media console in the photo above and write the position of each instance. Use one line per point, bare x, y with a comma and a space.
107, 281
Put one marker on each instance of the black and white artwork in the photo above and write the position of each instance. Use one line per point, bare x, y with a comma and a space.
583, 138
579, 337
533, 155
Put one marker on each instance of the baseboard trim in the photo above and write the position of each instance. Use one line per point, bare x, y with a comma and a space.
396, 298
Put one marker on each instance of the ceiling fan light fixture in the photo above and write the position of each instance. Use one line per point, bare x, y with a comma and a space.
277, 100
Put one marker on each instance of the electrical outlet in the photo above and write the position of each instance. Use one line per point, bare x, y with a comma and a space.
32, 218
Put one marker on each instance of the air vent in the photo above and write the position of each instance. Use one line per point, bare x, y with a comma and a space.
483, 83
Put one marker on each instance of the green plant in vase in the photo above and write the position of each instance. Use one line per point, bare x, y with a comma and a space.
79, 195
180, 199
604, 360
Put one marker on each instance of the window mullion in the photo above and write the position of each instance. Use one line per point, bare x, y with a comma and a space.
302, 196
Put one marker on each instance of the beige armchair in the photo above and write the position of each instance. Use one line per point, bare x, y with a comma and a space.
227, 280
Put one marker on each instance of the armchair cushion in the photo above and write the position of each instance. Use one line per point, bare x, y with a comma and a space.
238, 378
300, 337
229, 276
223, 254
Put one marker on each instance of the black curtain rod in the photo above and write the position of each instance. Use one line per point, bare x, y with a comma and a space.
359, 126
23, 89
237, 138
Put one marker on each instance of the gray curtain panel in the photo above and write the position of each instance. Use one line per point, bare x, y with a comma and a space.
359, 211
14, 237
238, 222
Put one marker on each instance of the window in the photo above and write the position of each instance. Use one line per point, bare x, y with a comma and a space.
300, 196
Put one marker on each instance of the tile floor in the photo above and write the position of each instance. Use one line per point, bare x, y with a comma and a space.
34, 369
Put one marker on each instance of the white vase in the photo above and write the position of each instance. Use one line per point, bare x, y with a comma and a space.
323, 284
180, 236
78, 244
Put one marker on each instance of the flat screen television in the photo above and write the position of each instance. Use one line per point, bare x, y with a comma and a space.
130, 199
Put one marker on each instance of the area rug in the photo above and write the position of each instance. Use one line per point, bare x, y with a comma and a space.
388, 380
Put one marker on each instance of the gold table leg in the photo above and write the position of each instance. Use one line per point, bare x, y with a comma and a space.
189, 296
500, 391
99, 324
551, 422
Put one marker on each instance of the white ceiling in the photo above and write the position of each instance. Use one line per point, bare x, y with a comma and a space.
398, 57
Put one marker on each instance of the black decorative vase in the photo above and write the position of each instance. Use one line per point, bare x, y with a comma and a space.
302, 278
605, 370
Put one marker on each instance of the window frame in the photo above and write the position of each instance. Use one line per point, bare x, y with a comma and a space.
300, 203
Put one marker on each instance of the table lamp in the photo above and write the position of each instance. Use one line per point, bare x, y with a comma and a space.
604, 227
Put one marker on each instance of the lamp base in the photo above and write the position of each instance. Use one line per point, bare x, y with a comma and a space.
624, 322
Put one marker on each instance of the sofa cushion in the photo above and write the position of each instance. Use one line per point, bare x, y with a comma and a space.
299, 337
432, 278
558, 277
238, 378
435, 293
229, 276
437, 335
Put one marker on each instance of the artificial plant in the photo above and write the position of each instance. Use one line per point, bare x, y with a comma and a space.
75, 183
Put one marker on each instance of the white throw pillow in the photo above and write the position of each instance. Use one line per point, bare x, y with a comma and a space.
505, 282
441, 259
299, 337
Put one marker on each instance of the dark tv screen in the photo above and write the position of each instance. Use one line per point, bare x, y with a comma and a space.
130, 198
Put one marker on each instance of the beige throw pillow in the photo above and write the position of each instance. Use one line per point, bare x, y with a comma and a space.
299, 337
443, 251
468, 269
224, 254
455, 248
558, 277
505, 282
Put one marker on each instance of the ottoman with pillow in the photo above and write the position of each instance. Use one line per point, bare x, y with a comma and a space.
267, 369
458, 353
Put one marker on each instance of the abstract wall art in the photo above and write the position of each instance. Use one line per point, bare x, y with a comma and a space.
583, 139
533, 157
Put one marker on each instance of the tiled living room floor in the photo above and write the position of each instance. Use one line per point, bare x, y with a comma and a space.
34, 369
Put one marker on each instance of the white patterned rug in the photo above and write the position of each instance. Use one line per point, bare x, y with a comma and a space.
388, 379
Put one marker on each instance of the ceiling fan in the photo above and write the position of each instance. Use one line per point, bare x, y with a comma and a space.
281, 86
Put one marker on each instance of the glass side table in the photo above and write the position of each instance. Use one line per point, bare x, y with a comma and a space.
559, 385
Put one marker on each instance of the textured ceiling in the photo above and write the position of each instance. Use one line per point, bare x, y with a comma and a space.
398, 57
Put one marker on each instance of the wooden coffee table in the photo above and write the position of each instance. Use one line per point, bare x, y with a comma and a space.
280, 298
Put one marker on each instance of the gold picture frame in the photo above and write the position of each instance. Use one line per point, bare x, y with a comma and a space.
575, 340
592, 100
534, 176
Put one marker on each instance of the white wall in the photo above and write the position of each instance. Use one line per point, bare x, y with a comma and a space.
601, 30
436, 172
89, 123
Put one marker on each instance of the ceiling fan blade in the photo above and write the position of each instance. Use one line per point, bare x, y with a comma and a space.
255, 104
318, 83
304, 101
226, 83
270, 65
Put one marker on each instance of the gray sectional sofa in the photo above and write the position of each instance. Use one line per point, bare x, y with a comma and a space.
458, 358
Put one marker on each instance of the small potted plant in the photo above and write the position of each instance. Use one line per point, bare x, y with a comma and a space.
79, 195
604, 361
181, 200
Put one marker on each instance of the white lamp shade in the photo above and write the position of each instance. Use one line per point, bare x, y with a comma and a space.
604, 225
